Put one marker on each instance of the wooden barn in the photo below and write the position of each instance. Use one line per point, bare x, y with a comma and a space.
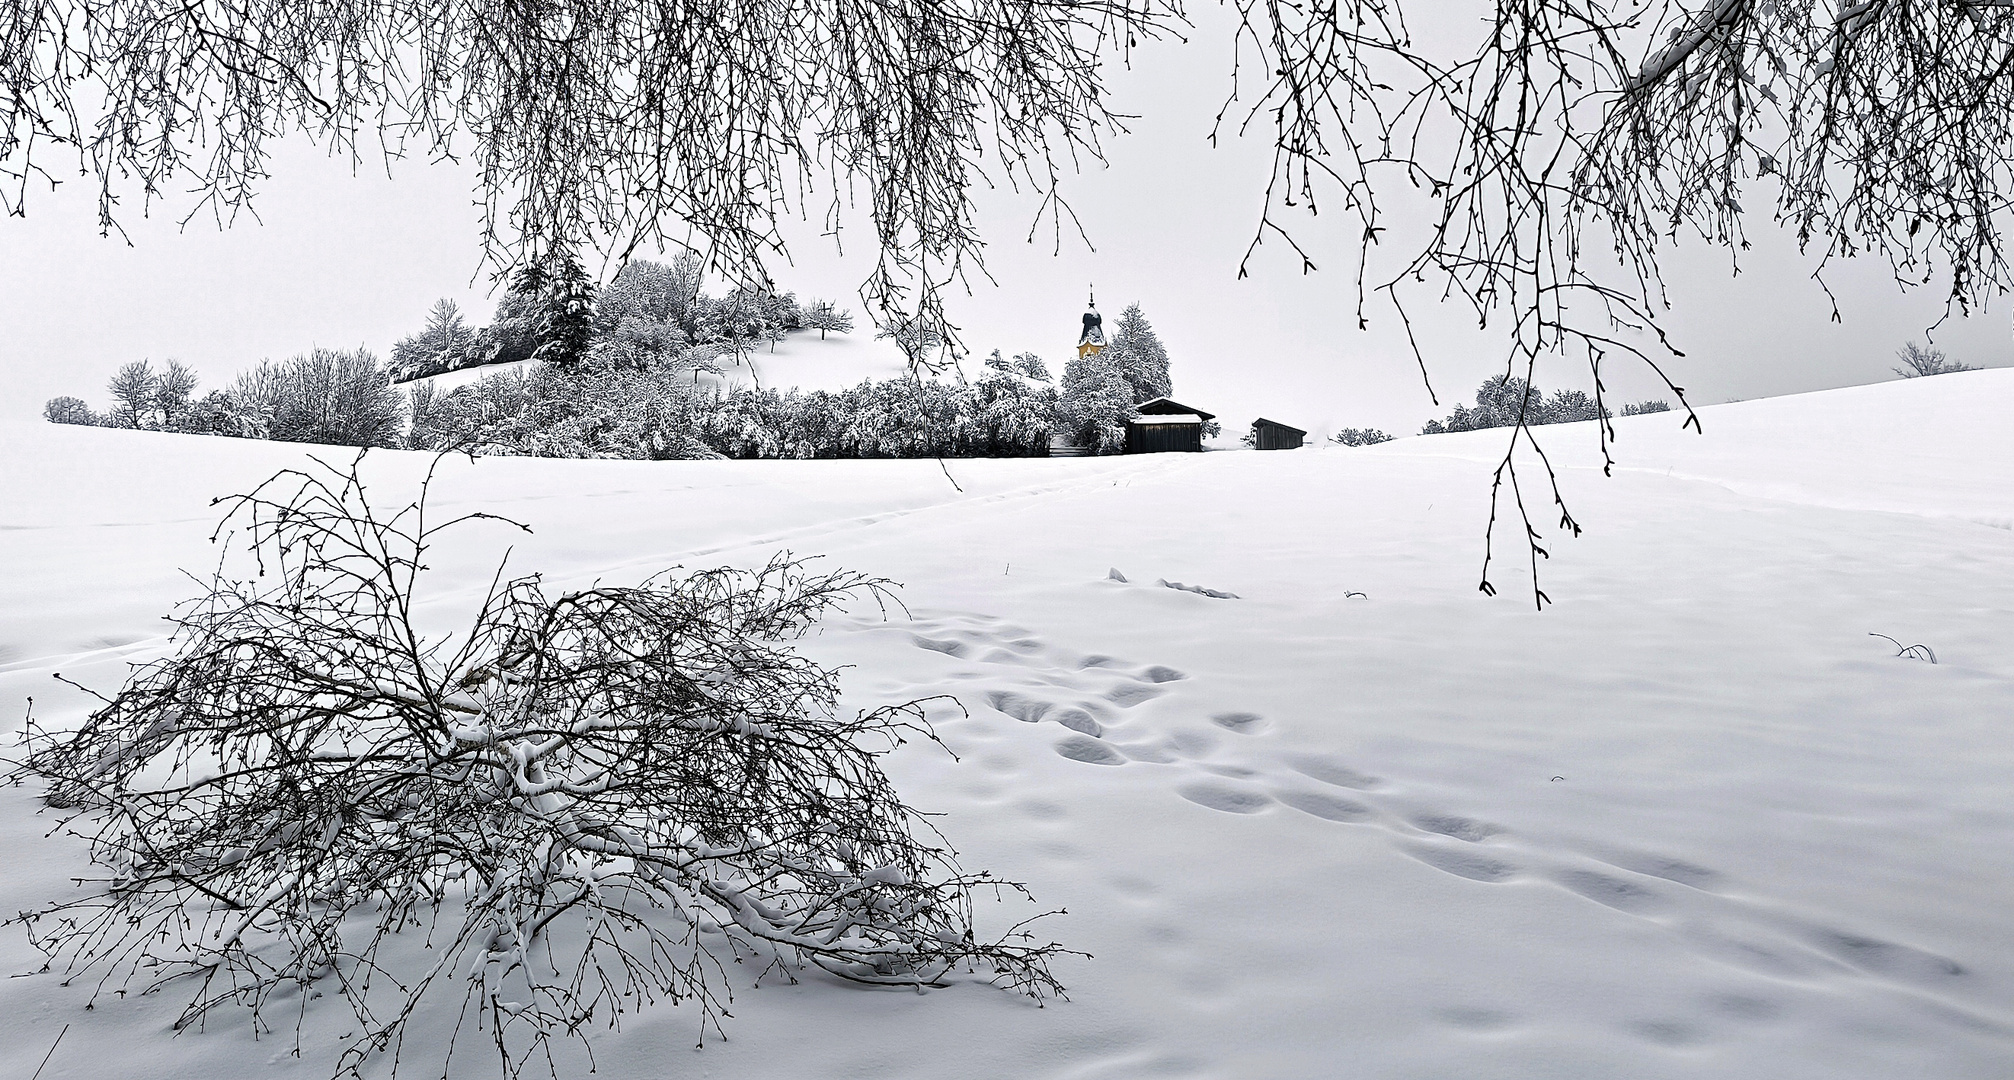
1166, 426
1273, 435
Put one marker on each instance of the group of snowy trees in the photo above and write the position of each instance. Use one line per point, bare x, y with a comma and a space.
324, 396
657, 414
618, 380
1508, 401
1918, 361
1100, 390
649, 316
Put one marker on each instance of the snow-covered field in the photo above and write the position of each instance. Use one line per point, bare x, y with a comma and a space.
1692, 821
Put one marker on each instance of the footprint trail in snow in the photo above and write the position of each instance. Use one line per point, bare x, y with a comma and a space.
1226, 761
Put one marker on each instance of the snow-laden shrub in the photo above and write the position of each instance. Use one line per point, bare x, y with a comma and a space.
219, 412
1652, 406
592, 413
1350, 436
1918, 362
586, 802
69, 410
328, 396
1506, 401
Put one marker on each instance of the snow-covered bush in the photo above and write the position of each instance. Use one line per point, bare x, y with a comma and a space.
444, 345
1350, 436
1918, 361
69, 410
325, 396
1654, 405
1506, 400
823, 316
649, 414
583, 803
1029, 364
220, 413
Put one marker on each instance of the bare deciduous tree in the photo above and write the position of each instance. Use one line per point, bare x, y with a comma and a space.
1918, 361
584, 803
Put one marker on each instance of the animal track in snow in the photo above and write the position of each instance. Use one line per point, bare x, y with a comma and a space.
1243, 723
1331, 807
1468, 864
1460, 828
1117, 713
1330, 771
1127, 695
1225, 797
1091, 751
1615, 892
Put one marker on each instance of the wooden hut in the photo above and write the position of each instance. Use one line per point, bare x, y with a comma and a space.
1166, 426
1273, 435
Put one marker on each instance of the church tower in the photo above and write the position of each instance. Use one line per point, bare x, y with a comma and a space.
1093, 337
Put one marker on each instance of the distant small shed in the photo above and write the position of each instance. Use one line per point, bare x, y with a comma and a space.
1166, 426
1273, 435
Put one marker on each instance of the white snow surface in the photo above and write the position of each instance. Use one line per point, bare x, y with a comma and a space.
1692, 821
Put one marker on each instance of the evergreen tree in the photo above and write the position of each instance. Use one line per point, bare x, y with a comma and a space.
566, 315
999, 363
1096, 403
1141, 358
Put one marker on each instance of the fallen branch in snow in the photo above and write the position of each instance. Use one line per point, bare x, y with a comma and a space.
588, 802
1115, 575
1913, 652
1215, 593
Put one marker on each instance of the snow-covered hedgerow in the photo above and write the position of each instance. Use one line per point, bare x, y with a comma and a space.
585, 802
658, 413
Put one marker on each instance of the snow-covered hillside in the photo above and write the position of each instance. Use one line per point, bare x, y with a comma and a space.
1692, 821
801, 360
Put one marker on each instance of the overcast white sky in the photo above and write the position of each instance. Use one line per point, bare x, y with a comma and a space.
345, 260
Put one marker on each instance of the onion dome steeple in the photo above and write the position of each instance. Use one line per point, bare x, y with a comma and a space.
1093, 337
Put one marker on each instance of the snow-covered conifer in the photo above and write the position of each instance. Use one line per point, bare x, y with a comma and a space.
1096, 403
566, 317
1142, 359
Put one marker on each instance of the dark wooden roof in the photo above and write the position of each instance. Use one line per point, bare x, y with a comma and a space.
1276, 424
1168, 406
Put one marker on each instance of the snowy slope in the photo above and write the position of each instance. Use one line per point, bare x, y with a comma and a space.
1692, 821
802, 360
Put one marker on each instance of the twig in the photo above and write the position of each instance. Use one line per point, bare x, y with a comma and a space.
51, 1053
